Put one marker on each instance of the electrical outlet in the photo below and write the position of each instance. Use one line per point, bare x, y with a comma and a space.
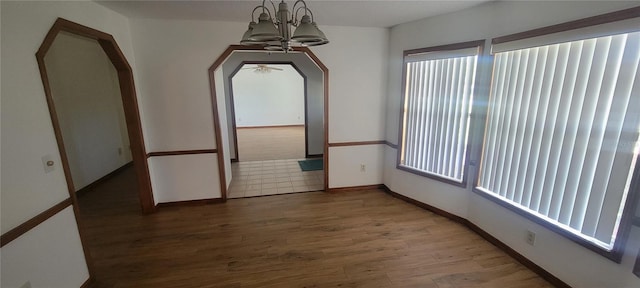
26, 285
363, 168
530, 238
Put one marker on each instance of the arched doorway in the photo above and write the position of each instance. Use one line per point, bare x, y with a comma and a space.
216, 84
129, 103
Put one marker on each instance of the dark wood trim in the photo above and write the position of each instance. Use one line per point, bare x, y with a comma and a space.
555, 281
216, 121
394, 146
636, 267
131, 113
359, 143
182, 152
306, 111
130, 105
198, 202
473, 227
355, 188
447, 47
232, 109
82, 191
87, 283
134, 123
571, 25
425, 206
325, 71
218, 62
18, 231
315, 156
271, 126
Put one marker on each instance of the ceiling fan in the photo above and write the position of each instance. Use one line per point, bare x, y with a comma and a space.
262, 68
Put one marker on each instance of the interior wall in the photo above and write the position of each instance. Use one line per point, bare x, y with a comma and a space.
358, 69
86, 92
27, 135
174, 88
275, 98
574, 264
315, 93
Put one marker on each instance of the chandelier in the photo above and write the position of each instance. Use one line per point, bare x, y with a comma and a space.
274, 33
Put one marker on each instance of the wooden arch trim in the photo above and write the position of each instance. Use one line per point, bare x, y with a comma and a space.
216, 118
129, 101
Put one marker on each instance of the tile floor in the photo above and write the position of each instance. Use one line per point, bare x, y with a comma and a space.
271, 177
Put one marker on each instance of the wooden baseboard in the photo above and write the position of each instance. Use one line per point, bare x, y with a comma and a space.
425, 206
473, 227
93, 184
555, 281
355, 188
87, 283
191, 202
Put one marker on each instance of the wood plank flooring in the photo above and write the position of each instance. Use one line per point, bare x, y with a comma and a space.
315, 239
271, 143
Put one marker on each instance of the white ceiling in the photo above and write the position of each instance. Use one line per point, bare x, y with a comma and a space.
376, 13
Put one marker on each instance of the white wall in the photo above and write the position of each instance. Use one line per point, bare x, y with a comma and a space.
315, 92
27, 135
275, 98
86, 92
357, 81
570, 262
174, 86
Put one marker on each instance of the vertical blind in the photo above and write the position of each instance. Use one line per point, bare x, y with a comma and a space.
562, 131
437, 106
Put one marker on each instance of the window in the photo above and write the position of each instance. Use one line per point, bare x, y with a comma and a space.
561, 136
437, 101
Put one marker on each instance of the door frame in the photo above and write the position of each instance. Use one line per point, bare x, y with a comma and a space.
129, 103
233, 105
216, 116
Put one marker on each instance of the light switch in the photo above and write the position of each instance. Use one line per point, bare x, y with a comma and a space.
48, 163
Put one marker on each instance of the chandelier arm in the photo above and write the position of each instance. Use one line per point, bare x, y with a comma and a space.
310, 12
304, 4
295, 19
264, 7
275, 11
254, 12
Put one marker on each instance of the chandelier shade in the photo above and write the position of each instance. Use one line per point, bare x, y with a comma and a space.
265, 30
306, 32
275, 33
245, 38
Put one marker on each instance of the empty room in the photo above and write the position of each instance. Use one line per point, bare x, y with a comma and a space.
320, 143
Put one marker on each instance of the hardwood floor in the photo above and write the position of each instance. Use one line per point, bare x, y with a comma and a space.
316, 239
271, 143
